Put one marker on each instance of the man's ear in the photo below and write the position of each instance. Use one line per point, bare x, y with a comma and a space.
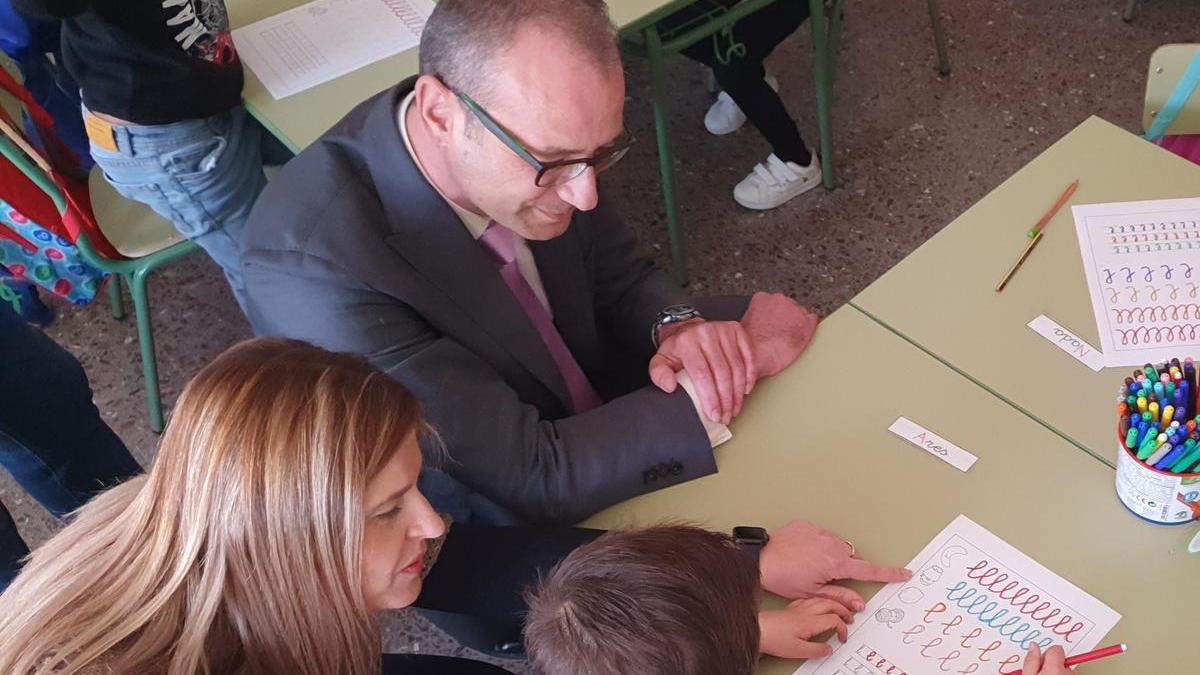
437, 107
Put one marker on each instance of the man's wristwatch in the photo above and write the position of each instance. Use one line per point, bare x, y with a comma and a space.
670, 315
751, 540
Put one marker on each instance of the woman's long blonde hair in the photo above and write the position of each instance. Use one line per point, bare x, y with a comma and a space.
240, 550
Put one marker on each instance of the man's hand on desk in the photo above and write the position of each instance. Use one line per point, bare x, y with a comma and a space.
779, 331
725, 359
802, 559
717, 357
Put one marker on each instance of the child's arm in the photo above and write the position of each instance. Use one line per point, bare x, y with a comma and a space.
1051, 663
786, 633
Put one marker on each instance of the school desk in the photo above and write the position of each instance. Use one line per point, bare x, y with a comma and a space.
942, 297
298, 120
813, 442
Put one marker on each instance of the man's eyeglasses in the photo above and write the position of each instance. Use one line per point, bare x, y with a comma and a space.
551, 174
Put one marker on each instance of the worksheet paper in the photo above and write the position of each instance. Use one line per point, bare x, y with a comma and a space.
1142, 261
325, 39
974, 605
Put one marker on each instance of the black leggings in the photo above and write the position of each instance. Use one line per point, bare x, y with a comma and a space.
741, 76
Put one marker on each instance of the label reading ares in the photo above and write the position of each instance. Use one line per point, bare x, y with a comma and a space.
933, 444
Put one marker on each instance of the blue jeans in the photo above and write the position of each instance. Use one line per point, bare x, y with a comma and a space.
52, 439
202, 175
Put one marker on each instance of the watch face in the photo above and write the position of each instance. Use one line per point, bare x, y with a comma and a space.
750, 535
679, 310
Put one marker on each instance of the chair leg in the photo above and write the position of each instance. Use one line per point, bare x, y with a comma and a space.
713, 87
678, 254
833, 30
141, 308
114, 296
822, 78
1130, 8
939, 38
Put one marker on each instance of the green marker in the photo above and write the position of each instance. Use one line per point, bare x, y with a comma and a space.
1150, 445
1191, 455
1131, 438
1151, 372
1158, 455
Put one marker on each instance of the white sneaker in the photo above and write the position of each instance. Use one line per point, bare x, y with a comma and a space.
775, 181
725, 117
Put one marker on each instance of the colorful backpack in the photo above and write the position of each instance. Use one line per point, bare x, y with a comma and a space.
36, 235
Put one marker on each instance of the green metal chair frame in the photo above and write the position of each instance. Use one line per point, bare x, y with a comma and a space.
825, 20
135, 273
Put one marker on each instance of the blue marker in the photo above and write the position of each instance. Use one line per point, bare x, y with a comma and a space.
1172, 457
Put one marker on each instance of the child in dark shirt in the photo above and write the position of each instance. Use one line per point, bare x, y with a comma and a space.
678, 600
161, 85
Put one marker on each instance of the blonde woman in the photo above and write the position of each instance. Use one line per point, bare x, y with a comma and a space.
280, 514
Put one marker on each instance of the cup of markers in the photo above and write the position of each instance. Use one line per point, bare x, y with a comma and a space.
1158, 463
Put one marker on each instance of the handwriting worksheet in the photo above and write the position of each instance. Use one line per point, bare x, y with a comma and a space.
973, 606
1142, 261
325, 39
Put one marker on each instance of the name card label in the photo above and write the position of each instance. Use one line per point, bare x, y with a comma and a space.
1068, 342
933, 444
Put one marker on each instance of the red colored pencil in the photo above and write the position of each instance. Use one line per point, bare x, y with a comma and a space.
1089, 656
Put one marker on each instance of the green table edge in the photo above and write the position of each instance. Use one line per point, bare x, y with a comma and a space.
1103, 459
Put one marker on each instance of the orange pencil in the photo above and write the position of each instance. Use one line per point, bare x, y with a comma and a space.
1035, 233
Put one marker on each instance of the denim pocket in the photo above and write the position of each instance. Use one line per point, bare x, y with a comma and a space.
138, 180
195, 162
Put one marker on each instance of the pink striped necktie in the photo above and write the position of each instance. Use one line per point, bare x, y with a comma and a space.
498, 240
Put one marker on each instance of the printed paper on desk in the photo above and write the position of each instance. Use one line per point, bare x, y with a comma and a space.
974, 605
933, 444
1142, 261
1068, 342
325, 39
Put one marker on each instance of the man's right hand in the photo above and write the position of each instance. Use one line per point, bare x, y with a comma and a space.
716, 355
779, 331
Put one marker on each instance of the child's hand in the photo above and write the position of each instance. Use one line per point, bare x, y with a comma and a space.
785, 633
1050, 664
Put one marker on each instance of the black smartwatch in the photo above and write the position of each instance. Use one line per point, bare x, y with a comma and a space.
670, 315
751, 540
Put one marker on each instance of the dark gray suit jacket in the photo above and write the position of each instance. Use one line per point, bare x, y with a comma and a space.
351, 249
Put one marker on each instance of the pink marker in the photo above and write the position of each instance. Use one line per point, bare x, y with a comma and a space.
1090, 656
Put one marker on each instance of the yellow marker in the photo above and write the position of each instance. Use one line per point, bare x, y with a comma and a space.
1167, 416
1142, 401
